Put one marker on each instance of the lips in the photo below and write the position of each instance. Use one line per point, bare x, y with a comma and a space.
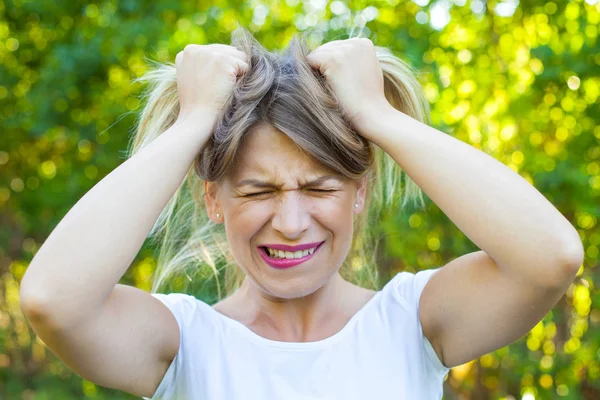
286, 247
281, 263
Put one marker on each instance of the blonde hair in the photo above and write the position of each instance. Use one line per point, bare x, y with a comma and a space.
279, 88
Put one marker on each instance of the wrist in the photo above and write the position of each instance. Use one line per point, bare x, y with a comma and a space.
197, 117
370, 121
195, 128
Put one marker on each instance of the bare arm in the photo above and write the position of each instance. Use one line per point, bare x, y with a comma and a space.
487, 299
114, 335
498, 210
530, 251
87, 253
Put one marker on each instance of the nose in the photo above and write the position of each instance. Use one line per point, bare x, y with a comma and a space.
291, 217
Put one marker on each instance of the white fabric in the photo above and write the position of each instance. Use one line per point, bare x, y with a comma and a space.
381, 353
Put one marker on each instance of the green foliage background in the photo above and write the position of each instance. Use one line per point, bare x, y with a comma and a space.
522, 86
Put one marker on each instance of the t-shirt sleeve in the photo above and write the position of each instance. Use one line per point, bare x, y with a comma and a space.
408, 287
182, 307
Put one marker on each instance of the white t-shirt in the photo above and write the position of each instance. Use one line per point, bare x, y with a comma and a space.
381, 353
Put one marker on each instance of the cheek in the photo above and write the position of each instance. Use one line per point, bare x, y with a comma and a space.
333, 208
246, 219
334, 215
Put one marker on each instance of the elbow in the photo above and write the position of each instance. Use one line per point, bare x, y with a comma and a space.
573, 253
41, 312
569, 263
33, 298
49, 307
573, 257
31, 302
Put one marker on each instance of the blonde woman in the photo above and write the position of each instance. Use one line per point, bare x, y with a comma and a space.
271, 167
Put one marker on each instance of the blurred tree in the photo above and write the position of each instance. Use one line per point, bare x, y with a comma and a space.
517, 80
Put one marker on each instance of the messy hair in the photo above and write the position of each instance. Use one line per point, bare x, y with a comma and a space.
279, 88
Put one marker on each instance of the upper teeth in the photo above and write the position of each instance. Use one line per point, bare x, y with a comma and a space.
289, 254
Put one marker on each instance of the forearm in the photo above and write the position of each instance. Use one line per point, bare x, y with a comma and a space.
492, 205
87, 253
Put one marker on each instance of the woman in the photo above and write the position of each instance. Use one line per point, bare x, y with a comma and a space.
284, 145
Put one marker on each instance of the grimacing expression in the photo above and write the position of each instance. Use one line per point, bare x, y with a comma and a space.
283, 209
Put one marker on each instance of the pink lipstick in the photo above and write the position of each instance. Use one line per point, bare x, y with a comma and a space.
284, 262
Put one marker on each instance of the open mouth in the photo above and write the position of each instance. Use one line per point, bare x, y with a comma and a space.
277, 262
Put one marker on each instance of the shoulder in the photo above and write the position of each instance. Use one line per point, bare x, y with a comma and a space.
177, 300
184, 307
198, 323
406, 287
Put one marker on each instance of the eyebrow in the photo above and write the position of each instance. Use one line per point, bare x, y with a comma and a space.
262, 184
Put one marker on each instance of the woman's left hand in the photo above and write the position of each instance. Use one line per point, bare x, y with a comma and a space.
352, 70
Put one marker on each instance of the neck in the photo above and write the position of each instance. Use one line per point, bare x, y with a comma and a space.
296, 319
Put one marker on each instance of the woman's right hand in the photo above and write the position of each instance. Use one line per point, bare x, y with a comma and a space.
206, 75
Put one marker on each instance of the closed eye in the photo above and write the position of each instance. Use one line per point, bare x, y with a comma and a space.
314, 190
256, 194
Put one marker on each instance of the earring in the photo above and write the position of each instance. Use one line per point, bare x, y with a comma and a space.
218, 215
355, 205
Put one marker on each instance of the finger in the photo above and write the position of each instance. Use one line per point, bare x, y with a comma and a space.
316, 60
224, 48
239, 54
231, 50
330, 44
242, 54
241, 67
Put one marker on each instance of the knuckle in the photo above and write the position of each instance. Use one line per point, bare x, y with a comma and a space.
191, 48
219, 56
338, 57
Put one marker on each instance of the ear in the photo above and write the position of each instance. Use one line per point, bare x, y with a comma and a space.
361, 192
212, 202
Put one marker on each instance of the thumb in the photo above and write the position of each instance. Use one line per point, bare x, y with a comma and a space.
317, 61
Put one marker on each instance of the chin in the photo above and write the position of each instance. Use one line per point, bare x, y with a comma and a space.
285, 292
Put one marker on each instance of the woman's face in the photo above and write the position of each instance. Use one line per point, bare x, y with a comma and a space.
286, 212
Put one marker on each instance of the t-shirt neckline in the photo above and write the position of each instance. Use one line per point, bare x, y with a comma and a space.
250, 334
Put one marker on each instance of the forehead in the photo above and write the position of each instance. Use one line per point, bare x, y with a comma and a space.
268, 153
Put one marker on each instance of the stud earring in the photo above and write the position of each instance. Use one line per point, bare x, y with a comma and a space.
218, 215
356, 205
